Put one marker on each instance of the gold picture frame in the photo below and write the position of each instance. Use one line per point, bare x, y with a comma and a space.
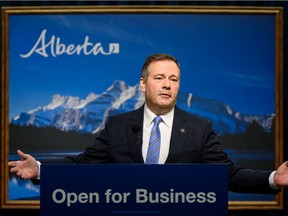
276, 14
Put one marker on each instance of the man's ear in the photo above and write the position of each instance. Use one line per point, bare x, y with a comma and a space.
142, 84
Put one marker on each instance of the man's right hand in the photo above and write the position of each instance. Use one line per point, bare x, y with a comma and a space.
26, 168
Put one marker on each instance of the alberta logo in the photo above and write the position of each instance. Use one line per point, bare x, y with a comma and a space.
55, 47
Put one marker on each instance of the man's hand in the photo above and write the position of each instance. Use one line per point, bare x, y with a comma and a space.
281, 175
26, 168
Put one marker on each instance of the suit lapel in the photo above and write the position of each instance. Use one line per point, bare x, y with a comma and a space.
180, 129
136, 146
178, 136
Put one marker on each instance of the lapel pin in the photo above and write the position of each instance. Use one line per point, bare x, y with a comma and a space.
182, 130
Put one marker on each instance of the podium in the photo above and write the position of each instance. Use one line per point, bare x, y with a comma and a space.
134, 189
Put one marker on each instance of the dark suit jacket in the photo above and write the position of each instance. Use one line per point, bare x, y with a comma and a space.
118, 143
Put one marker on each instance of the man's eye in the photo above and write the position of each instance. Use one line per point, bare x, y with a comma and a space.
174, 80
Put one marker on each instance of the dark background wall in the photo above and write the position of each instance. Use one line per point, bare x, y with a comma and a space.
284, 4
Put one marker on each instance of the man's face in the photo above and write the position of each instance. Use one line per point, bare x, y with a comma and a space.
161, 87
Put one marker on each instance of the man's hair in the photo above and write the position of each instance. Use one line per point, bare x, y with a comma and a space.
155, 58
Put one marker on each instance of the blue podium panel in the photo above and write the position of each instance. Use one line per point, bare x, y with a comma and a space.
138, 189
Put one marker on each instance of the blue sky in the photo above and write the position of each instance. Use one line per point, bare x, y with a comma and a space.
224, 57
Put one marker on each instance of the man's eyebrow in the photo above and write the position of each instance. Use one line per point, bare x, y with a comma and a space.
159, 74
174, 76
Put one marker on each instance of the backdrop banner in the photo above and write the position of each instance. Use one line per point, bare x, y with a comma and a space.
135, 189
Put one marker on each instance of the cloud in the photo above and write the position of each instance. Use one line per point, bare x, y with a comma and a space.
93, 26
262, 81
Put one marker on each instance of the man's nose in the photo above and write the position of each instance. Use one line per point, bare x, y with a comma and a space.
166, 84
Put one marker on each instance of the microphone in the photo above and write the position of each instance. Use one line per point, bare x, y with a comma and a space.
136, 128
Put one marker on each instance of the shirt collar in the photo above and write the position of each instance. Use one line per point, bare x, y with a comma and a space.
149, 116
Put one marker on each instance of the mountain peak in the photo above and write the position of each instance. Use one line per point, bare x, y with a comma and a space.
89, 114
117, 85
65, 101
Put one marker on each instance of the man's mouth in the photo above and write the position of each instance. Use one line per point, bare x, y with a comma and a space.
165, 95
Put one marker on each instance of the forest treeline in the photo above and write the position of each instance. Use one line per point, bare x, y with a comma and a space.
37, 139
32, 138
255, 138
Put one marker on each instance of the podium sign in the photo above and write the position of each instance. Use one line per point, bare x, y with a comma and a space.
136, 189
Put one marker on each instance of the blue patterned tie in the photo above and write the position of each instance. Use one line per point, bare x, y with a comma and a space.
154, 143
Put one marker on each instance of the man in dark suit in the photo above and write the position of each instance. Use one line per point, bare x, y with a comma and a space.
182, 137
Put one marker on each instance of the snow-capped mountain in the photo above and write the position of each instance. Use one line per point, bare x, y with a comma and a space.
89, 114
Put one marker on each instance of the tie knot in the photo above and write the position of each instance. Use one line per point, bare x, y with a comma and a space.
157, 120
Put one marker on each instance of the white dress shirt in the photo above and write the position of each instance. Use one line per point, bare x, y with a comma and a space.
165, 130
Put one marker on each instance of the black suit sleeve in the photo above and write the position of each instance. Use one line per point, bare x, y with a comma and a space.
240, 179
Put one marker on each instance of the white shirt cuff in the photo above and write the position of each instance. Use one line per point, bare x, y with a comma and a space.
271, 181
39, 165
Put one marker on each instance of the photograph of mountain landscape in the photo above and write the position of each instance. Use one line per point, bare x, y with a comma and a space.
68, 72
